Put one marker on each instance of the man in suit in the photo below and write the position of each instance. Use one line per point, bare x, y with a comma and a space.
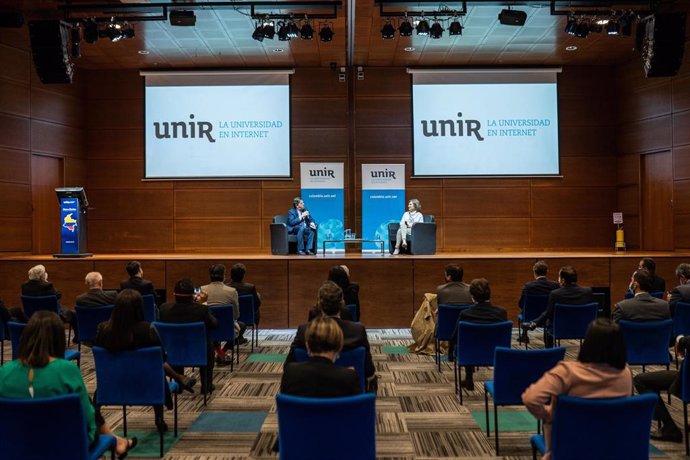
38, 285
680, 293
454, 292
219, 294
95, 296
658, 284
185, 309
481, 312
642, 307
541, 286
355, 335
137, 282
301, 223
568, 294
237, 273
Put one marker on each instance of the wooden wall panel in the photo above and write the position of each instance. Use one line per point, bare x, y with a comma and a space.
379, 142
122, 235
75, 172
56, 139
121, 174
647, 102
468, 233
16, 200
15, 63
208, 204
582, 171
56, 107
15, 132
15, 98
115, 144
585, 140
15, 166
601, 201
496, 202
113, 204
628, 169
645, 135
681, 235
681, 133
681, 163
581, 232
681, 93
216, 234
16, 234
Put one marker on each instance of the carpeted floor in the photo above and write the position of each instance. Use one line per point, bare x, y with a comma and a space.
418, 415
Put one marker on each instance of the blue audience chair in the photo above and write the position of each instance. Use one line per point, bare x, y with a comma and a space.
2, 341
446, 322
681, 321
48, 428
350, 358
584, 428
248, 317
226, 329
88, 319
514, 371
685, 397
476, 344
333, 428
32, 304
532, 306
354, 311
150, 308
133, 378
185, 346
571, 321
646, 342
16, 330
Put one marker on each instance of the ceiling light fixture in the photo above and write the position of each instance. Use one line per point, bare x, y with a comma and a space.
388, 31
423, 28
307, 31
75, 38
436, 30
512, 17
90, 30
282, 32
258, 33
455, 27
405, 28
326, 32
268, 29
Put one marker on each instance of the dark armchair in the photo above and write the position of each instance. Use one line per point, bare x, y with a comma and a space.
283, 243
421, 241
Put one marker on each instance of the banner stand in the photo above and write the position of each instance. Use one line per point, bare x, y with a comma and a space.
383, 201
324, 196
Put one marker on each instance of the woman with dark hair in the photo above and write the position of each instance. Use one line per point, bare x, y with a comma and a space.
599, 372
127, 330
41, 371
340, 275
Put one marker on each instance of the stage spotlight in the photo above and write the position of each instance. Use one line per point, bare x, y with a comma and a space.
269, 29
90, 31
326, 33
582, 30
512, 17
292, 30
571, 25
436, 31
387, 31
306, 32
455, 28
405, 28
423, 27
626, 22
258, 33
128, 32
596, 28
283, 32
113, 31
75, 38
182, 18
612, 27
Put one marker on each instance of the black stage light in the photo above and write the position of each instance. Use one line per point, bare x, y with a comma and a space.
113, 31
570, 26
626, 23
258, 33
423, 27
326, 33
306, 32
90, 31
512, 17
582, 30
269, 30
436, 31
283, 32
596, 28
292, 30
405, 28
128, 32
387, 31
182, 18
612, 27
455, 28
75, 38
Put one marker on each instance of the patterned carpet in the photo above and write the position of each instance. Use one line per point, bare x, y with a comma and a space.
418, 415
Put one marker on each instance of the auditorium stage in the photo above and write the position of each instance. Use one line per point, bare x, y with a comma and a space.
391, 287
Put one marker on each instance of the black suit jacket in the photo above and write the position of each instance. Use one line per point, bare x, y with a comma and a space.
96, 298
144, 287
188, 312
679, 294
570, 294
642, 307
540, 286
351, 295
143, 335
248, 289
485, 313
319, 378
39, 288
355, 335
453, 293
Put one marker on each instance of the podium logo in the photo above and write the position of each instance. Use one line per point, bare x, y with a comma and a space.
452, 128
325, 172
69, 222
385, 173
184, 129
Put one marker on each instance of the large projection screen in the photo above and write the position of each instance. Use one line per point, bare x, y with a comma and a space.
217, 125
473, 122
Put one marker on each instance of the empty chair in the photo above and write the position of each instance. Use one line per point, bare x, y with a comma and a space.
514, 371
48, 428
585, 428
133, 378
16, 330
88, 319
247, 316
335, 428
150, 308
350, 358
185, 346
646, 342
226, 329
476, 344
446, 322
571, 321
532, 307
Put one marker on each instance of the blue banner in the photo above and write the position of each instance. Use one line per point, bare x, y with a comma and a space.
69, 218
324, 197
383, 201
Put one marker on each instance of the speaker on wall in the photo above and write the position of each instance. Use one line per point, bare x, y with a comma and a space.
663, 44
49, 50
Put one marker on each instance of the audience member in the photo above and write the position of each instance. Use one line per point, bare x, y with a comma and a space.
237, 273
38, 285
454, 292
95, 296
219, 294
642, 307
411, 216
137, 282
186, 310
541, 285
302, 224
127, 330
568, 294
481, 312
658, 284
680, 293
11, 314
599, 372
40, 371
340, 275
320, 377
355, 335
